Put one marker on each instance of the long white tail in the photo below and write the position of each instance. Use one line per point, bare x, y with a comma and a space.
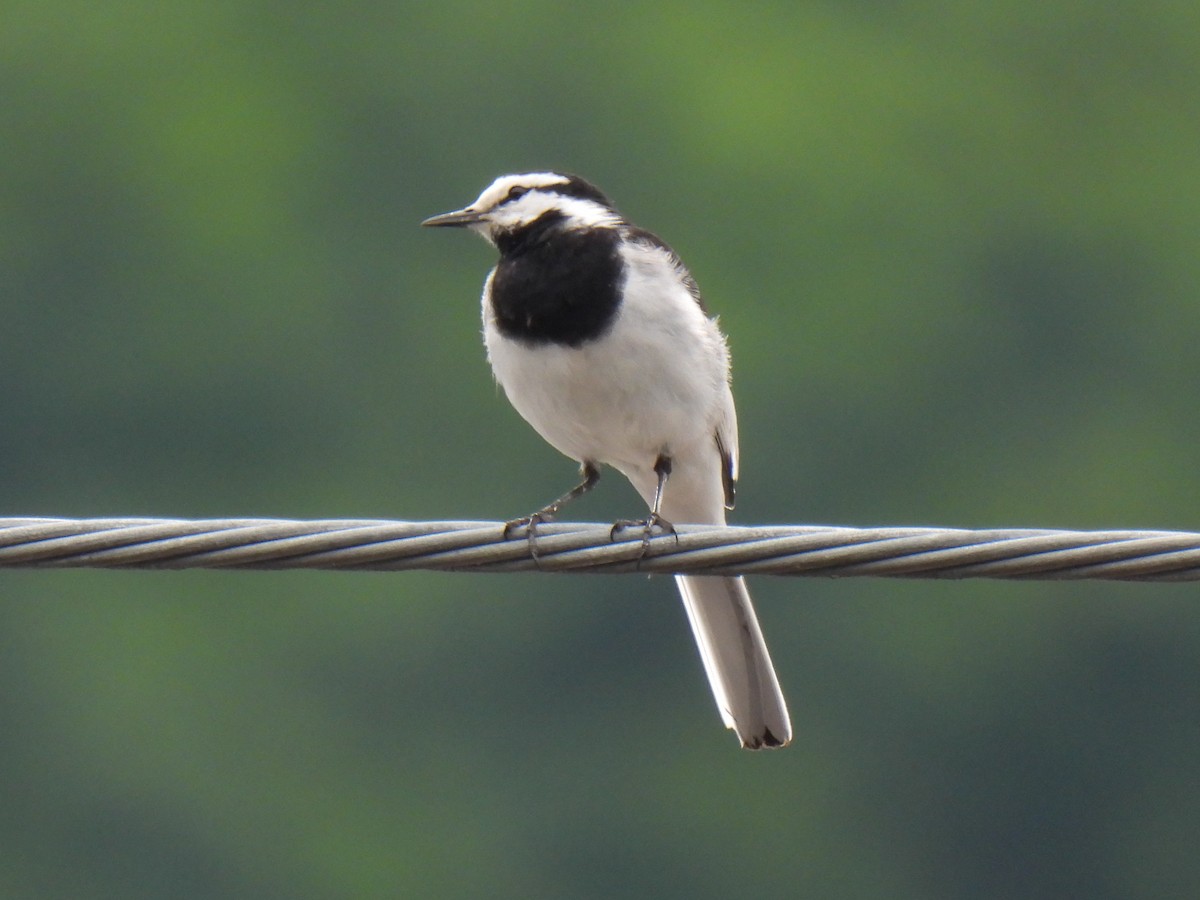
736, 659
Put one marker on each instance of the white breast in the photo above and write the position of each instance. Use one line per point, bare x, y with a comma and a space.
657, 382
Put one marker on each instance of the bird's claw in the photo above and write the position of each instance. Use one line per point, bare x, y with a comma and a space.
530, 524
648, 527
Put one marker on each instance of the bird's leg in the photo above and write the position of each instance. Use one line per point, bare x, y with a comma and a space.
662, 468
590, 475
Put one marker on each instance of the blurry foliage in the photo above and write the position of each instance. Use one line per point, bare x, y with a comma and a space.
955, 248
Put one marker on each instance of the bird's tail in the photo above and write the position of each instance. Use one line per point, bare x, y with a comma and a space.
736, 659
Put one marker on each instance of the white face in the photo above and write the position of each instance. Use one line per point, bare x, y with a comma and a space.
514, 200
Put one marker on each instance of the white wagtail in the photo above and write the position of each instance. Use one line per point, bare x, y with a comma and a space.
597, 334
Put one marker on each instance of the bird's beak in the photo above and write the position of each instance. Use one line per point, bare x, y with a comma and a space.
457, 219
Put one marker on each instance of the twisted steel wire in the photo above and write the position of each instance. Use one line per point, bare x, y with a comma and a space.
382, 545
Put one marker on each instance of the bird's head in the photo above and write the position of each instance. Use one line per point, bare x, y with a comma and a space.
515, 203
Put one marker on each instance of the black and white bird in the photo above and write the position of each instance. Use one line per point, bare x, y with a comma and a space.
598, 335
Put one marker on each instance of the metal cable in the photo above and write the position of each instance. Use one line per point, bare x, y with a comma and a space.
370, 544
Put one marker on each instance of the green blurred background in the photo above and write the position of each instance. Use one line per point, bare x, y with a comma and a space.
956, 247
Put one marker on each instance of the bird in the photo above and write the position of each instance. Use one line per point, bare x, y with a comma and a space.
598, 336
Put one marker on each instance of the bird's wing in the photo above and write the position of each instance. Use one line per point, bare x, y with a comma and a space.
727, 445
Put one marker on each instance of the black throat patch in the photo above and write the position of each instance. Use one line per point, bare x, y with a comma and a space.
557, 285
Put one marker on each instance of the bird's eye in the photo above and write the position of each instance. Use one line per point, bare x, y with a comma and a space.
516, 192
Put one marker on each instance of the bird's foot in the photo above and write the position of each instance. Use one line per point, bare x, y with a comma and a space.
652, 524
529, 524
